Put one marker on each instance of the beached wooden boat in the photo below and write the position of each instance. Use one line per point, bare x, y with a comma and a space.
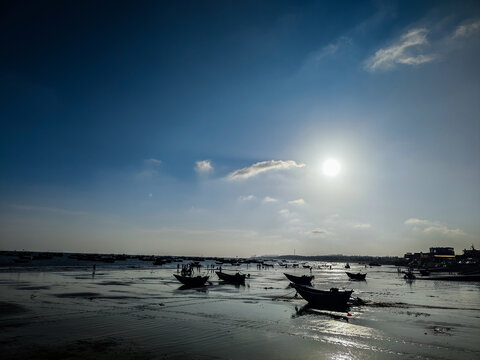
192, 281
357, 276
325, 299
300, 280
234, 279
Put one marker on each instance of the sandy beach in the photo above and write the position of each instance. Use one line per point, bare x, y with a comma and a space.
144, 314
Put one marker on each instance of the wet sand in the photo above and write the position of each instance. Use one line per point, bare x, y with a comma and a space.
144, 314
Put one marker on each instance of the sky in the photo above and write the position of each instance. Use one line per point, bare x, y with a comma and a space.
203, 127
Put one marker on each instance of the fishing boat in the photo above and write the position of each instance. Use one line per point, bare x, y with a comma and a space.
325, 299
357, 276
234, 279
192, 281
300, 280
347, 266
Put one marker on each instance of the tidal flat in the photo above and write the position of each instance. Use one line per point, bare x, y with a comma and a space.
143, 313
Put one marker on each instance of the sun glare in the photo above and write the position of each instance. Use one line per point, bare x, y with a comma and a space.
331, 167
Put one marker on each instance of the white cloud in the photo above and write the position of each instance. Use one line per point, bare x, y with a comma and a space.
414, 222
203, 166
432, 227
416, 60
152, 161
263, 166
362, 226
284, 212
246, 197
297, 202
467, 29
268, 199
407, 50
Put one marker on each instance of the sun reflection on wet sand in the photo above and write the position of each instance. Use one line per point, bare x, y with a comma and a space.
262, 317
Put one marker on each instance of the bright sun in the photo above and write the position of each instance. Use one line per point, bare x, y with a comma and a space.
331, 167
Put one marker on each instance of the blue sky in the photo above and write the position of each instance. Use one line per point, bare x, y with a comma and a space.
200, 127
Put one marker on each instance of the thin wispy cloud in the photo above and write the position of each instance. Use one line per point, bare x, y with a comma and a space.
152, 161
149, 169
407, 50
432, 227
263, 166
203, 166
284, 212
330, 49
314, 60
246, 197
268, 199
362, 226
467, 29
297, 202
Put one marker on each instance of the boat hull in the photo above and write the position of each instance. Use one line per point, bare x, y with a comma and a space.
300, 280
196, 281
234, 279
356, 276
332, 299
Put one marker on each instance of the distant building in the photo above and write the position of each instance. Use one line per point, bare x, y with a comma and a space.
471, 253
442, 252
415, 256
435, 254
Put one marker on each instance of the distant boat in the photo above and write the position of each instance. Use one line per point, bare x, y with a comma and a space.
191, 281
300, 280
347, 266
234, 279
357, 276
324, 299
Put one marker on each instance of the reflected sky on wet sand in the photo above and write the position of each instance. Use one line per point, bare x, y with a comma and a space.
145, 311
